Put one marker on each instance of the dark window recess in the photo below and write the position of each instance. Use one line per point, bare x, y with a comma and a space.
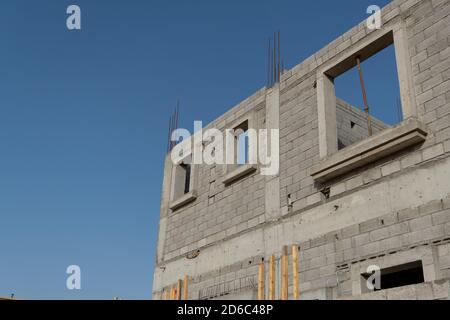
326, 192
187, 179
341, 145
399, 276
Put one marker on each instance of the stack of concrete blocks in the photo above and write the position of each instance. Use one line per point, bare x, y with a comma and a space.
386, 212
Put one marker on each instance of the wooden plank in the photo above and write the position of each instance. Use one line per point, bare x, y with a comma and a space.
295, 270
178, 293
167, 294
284, 274
272, 278
261, 278
185, 288
174, 292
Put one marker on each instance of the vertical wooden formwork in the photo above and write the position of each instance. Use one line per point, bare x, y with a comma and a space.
261, 278
295, 271
272, 278
284, 274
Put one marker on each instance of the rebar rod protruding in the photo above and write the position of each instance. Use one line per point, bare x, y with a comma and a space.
366, 105
279, 59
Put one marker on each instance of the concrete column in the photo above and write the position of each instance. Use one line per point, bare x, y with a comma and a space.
326, 101
272, 192
404, 69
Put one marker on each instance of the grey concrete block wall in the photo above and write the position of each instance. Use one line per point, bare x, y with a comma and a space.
392, 210
219, 211
352, 124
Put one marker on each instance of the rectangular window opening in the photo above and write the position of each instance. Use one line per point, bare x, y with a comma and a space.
187, 177
378, 68
397, 276
182, 179
242, 144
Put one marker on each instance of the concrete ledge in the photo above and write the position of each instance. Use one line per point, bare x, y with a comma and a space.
433, 290
386, 142
187, 198
239, 173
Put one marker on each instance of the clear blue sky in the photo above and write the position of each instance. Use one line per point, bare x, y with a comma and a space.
83, 121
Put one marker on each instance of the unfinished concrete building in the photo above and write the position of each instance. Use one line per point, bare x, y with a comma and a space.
345, 199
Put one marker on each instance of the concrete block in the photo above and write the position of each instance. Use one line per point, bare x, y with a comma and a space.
390, 168
398, 229
351, 231
444, 262
335, 258
318, 241
313, 252
447, 229
389, 219
318, 262
369, 225
329, 248
391, 243
443, 250
434, 232
429, 118
349, 254
430, 207
425, 97
371, 175
441, 289
432, 152
435, 103
361, 239
408, 214
402, 293
429, 272
411, 160
446, 203
379, 234
447, 146
424, 291
299, 204
370, 249
441, 88
441, 217
420, 223
338, 189
311, 275
431, 83
377, 295
313, 199
354, 182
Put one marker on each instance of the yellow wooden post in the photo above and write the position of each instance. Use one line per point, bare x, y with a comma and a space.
284, 274
174, 292
185, 288
261, 278
167, 294
272, 278
295, 270
178, 293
